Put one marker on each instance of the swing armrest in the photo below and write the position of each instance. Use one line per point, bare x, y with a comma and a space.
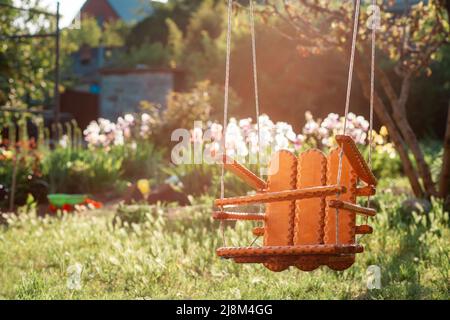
238, 216
338, 204
245, 174
356, 159
287, 195
363, 229
366, 191
259, 231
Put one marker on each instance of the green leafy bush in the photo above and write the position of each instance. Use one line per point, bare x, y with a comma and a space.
81, 171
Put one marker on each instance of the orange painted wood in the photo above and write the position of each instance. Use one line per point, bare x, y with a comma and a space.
287, 195
356, 159
232, 252
364, 229
293, 260
366, 191
302, 199
310, 213
279, 223
347, 219
237, 216
272, 261
245, 174
259, 232
352, 207
280, 215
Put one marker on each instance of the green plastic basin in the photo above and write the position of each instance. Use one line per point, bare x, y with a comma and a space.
60, 200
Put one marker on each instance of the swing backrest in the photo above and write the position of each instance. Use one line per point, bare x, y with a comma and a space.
309, 221
313, 221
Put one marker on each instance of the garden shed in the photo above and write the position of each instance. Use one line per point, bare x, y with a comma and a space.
122, 90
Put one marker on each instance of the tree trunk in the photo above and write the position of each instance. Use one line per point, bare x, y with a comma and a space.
383, 113
399, 115
445, 172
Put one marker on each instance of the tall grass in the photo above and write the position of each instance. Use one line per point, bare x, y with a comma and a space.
169, 253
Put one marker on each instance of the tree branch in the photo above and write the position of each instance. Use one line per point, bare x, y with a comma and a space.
383, 114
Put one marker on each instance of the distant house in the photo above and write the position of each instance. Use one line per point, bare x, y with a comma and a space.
112, 10
87, 62
112, 92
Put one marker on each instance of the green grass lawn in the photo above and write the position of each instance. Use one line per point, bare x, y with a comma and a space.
144, 254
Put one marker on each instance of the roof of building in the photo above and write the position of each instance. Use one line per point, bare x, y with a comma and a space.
131, 10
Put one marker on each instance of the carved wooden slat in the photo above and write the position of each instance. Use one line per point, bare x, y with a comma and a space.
310, 213
279, 215
237, 216
348, 206
279, 223
366, 191
356, 159
364, 229
324, 249
245, 174
347, 219
258, 231
287, 195
294, 260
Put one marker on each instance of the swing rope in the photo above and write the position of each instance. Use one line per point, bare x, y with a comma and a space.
226, 100
225, 111
372, 85
372, 95
256, 89
347, 104
255, 78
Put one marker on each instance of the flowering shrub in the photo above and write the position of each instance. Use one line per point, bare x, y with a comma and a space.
242, 139
381, 143
242, 135
105, 134
321, 133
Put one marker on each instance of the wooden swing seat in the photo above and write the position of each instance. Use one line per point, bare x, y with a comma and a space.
302, 198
